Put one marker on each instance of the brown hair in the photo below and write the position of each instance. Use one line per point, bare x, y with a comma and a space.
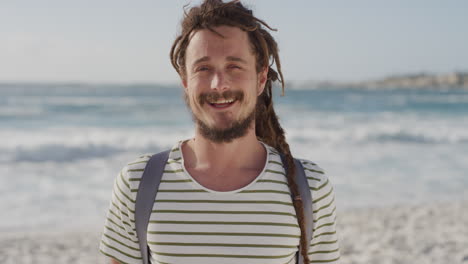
212, 13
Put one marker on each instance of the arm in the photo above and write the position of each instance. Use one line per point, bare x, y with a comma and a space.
118, 240
324, 247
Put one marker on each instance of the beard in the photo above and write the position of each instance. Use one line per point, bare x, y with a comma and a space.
237, 128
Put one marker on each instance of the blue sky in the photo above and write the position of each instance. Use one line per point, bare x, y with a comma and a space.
128, 41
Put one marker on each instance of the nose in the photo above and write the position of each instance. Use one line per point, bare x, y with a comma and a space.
219, 82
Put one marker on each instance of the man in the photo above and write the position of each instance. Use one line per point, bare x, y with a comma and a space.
224, 195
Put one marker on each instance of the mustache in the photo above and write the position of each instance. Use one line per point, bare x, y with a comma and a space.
215, 96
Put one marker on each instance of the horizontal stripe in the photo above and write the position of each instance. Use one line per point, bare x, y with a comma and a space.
138, 162
220, 245
124, 194
324, 216
120, 211
278, 230
174, 160
324, 243
134, 179
176, 181
324, 225
308, 162
325, 206
135, 170
119, 234
182, 190
224, 201
221, 255
312, 178
324, 251
273, 181
265, 191
124, 181
123, 244
124, 205
277, 172
220, 223
173, 171
317, 171
324, 261
275, 162
111, 256
220, 212
320, 187
323, 197
324, 234
219, 234
120, 251
119, 226
121, 220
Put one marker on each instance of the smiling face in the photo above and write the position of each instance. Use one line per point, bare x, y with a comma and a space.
221, 82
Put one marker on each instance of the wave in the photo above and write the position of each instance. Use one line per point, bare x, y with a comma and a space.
67, 145
60, 153
422, 133
78, 143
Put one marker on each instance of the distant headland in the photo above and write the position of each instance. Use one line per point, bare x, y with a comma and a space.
453, 80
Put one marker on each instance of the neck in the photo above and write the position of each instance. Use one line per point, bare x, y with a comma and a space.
241, 153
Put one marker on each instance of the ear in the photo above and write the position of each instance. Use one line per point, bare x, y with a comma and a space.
184, 83
262, 78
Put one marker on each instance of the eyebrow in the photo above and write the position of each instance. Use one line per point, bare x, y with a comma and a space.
229, 58
202, 59
237, 59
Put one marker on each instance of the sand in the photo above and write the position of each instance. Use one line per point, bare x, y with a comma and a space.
431, 233
436, 233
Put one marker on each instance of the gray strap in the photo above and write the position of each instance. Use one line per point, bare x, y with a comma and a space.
147, 190
306, 197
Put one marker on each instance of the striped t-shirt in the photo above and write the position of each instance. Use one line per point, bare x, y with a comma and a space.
191, 224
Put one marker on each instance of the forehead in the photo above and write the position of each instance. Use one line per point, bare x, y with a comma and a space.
205, 43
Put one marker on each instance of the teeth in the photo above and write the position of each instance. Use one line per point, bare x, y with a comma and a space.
223, 101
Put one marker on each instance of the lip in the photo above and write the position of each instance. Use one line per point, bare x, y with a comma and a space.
222, 106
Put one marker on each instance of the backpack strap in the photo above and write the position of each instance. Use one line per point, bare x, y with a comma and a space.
147, 190
306, 197
149, 185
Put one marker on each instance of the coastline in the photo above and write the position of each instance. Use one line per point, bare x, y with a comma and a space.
428, 233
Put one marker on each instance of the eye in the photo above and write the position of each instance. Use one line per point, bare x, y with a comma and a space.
202, 68
234, 66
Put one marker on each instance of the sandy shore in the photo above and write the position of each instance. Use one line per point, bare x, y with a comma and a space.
436, 233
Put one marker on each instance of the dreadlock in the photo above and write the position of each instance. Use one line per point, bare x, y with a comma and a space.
213, 13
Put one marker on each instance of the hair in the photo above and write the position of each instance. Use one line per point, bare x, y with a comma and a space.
213, 13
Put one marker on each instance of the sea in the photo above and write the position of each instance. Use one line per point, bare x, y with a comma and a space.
62, 145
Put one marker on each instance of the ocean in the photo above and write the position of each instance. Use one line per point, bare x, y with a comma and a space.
62, 145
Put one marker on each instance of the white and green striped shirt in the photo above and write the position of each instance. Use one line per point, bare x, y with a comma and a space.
191, 224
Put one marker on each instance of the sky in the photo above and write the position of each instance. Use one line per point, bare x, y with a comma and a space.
117, 41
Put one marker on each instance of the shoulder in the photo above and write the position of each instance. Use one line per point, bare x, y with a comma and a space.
128, 180
134, 169
316, 176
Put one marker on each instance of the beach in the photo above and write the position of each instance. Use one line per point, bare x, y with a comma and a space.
61, 147
434, 233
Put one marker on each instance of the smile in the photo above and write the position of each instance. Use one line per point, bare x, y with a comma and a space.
222, 103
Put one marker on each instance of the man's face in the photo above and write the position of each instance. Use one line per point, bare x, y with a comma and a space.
221, 82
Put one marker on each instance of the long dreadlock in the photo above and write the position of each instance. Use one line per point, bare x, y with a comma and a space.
213, 13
